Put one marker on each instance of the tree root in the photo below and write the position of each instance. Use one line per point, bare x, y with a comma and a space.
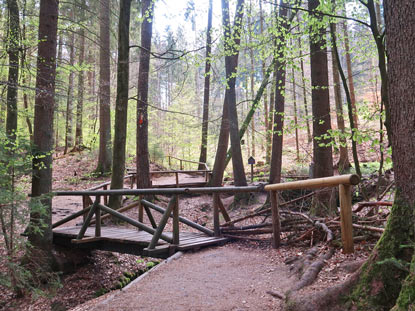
325, 300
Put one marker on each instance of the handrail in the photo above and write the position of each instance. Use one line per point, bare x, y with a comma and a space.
188, 161
343, 181
332, 181
151, 191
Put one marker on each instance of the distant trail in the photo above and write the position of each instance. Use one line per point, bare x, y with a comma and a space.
221, 278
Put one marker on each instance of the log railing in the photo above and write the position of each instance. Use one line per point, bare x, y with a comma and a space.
344, 182
156, 230
206, 172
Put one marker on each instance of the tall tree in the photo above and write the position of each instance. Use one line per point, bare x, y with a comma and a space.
206, 90
69, 98
223, 140
121, 103
81, 86
105, 152
343, 163
143, 162
320, 99
232, 40
12, 83
40, 230
279, 91
350, 78
383, 284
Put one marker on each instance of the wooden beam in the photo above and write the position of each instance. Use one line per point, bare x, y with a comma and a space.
97, 219
162, 223
70, 217
134, 222
140, 210
86, 240
181, 219
120, 210
216, 227
346, 225
332, 181
176, 227
150, 217
86, 222
276, 225
223, 210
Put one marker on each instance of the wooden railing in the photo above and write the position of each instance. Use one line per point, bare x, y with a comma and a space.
172, 210
206, 173
344, 182
181, 161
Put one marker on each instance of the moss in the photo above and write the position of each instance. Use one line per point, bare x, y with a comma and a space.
406, 299
380, 284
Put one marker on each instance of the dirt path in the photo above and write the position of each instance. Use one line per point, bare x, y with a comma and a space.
229, 277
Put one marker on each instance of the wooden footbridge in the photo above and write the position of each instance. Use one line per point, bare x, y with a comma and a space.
152, 240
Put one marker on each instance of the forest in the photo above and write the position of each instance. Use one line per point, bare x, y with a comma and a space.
244, 116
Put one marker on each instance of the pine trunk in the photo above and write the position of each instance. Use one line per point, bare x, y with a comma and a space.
121, 103
320, 100
143, 162
40, 233
105, 152
205, 124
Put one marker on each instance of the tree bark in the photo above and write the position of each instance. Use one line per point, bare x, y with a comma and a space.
348, 98
121, 103
383, 285
143, 163
69, 99
231, 63
81, 87
205, 122
279, 104
343, 163
40, 229
320, 99
13, 76
232, 41
350, 78
105, 152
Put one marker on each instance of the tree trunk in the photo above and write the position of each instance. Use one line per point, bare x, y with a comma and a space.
297, 147
268, 135
279, 104
69, 99
350, 71
382, 280
349, 100
320, 99
143, 163
231, 63
232, 41
105, 152
254, 106
121, 103
343, 163
12, 83
40, 228
309, 137
81, 87
205, 124
24, 75
251, 78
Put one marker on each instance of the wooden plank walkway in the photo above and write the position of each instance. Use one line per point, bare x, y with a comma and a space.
132, 241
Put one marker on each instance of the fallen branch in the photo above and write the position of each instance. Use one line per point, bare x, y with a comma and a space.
369, 228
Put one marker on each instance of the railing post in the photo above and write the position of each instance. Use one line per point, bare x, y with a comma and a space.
97, 217
105, 196
181, 165
140, 210
216, 227
177, 179
176, 228
345, 195
276, 226
169, 161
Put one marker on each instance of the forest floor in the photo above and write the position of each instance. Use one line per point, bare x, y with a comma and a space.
235, 276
